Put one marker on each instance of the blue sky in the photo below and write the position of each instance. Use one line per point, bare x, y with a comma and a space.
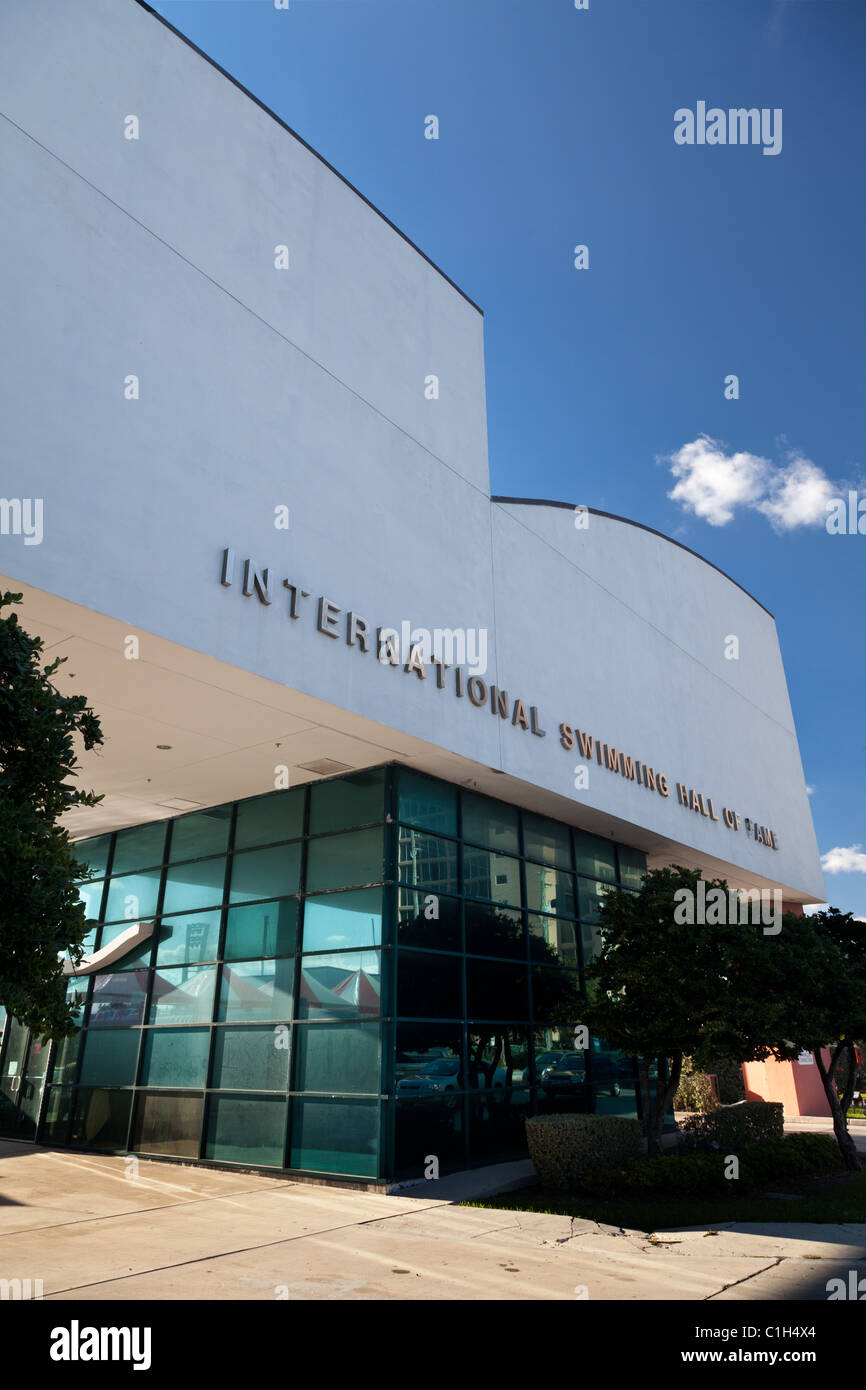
557, 129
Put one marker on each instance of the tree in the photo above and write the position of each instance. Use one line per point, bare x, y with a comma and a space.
815, 971
660, 987
41, 916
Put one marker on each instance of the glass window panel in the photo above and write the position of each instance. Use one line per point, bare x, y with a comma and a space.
435, 1076
139, 848
337, 1057
427, 862
204, 832
251, 1059
347, 984
339, 861
429, 985
66, 1058
265, 873
492, 876
167, 1124
594, 857
546, 840
76, 997
58, 1113
183, 995
550, 1044
132, 897
494, 931
176, 1057
348, 801
498, 1058
336, 1136
428, 919
632, 866
194, 936
590, 894
497, 1125
192, 886
490, 823
550, 890
262, 929
421, 1047
556, 996
591, 941
257, 989
246, 1129
341, 920
110, 1056
496, 989
91, 895
118, 1000
555, 940
427, 804
138, 957
427, 1125
100, 1119
92, 855
265, 820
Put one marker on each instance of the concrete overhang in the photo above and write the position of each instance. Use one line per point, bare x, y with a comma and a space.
183, 730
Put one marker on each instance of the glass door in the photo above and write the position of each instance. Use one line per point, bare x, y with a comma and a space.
22, 1076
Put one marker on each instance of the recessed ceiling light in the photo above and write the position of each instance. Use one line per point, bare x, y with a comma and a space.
164, 746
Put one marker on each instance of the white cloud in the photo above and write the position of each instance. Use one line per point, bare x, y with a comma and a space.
712, 483
809, 790
797, 496
841, 860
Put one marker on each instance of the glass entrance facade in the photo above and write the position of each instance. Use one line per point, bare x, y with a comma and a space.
377, 976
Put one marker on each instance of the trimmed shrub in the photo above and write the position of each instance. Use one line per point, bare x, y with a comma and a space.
734, 1127
672, 1175
695, 1091
703, 1174
564, 1147
795, 1156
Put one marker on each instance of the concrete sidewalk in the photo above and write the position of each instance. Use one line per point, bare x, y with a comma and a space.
88, 1231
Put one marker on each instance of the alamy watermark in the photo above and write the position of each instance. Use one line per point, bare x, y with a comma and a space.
459, 646
736, 126
22, 516
716, 908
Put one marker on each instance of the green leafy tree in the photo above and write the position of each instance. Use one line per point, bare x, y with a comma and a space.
814, 972
664, 988
40, 912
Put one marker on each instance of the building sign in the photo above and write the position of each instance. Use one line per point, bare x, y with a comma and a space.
409, 656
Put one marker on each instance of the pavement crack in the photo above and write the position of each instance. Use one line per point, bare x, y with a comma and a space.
774, 1263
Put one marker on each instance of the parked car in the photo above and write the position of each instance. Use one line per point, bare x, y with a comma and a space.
568, 1076
439, 1074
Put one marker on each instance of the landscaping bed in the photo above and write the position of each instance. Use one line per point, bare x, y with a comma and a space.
797, 1178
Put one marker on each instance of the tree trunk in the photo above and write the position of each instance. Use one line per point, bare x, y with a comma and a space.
847, 1147
663, 1098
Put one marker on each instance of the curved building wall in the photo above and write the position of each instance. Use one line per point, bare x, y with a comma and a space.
307, 388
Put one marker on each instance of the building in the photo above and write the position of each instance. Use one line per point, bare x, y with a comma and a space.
376, 740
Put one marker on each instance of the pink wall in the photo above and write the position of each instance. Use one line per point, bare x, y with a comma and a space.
795, 1084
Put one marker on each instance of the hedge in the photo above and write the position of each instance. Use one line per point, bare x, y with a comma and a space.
735, 1126
703, 1174
564, 1147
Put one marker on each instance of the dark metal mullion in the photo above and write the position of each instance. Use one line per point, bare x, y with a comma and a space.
151, 976
464, 991
296, 983
220, 963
